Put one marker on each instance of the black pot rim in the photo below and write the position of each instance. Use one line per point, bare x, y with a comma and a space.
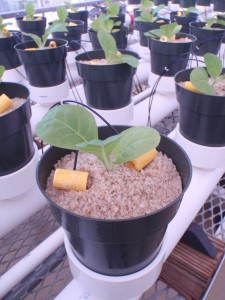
65, 43
201, 24
217, 97
14, 84
116, 220
100, 51
179, 34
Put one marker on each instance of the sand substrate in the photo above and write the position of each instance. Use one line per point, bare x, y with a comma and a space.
121, 194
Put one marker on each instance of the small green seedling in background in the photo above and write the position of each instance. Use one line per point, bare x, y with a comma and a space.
73, 127
30, 11
62, 15
165, 33
205, 79
209, 22
147, 16
2, 70
71, 7
41, 41
4, 31
112, 8
188, 10
104, 28
146, 5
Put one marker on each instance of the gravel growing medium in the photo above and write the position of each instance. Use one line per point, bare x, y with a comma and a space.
16, 103
121, 194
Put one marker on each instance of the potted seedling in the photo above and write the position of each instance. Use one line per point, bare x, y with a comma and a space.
146, 5
75, 14
31, 23
15, 131
108, 233
200, 93
170, 49
184, 18
43, 58
209, 35
118, 33
147, 21
107, 74
74, 31
8, 39
113, 11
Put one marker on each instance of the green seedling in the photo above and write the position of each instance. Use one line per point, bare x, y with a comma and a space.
73, 127
30, 11
57, 26
205, 79
165, 33
209, 22
187, 11
104, 28
2, 70
71, 7
147, 16
146, 5
112, 8
3, 26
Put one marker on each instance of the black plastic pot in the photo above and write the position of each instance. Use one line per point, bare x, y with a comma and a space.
134, 2
81, 15
72, 36
15, 131
35, 27
202, 117
204, 2
164, 54
116, 247
158, 2
208, 40
219, 5
44, 67
8, 56
106, 86
187, 3
175, 1
146, 26
119, 36
183, 20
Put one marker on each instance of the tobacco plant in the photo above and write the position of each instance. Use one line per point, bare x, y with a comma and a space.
104, 27
3, 26
209, 22
205, 79
30, 11
73, 127
150, 16
165, 33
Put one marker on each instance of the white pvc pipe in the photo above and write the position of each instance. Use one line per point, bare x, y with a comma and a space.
29, 262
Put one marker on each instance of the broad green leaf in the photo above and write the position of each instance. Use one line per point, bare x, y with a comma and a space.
146, 5
65, 126
158, 8
135, 142
35, 38
199, 78
146, 16
130, 60
113, 9
155, 33
62, 13
71, 7
189, 10
213, 65
2, 70
108, 43
101, 149
55, 27
29, 8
